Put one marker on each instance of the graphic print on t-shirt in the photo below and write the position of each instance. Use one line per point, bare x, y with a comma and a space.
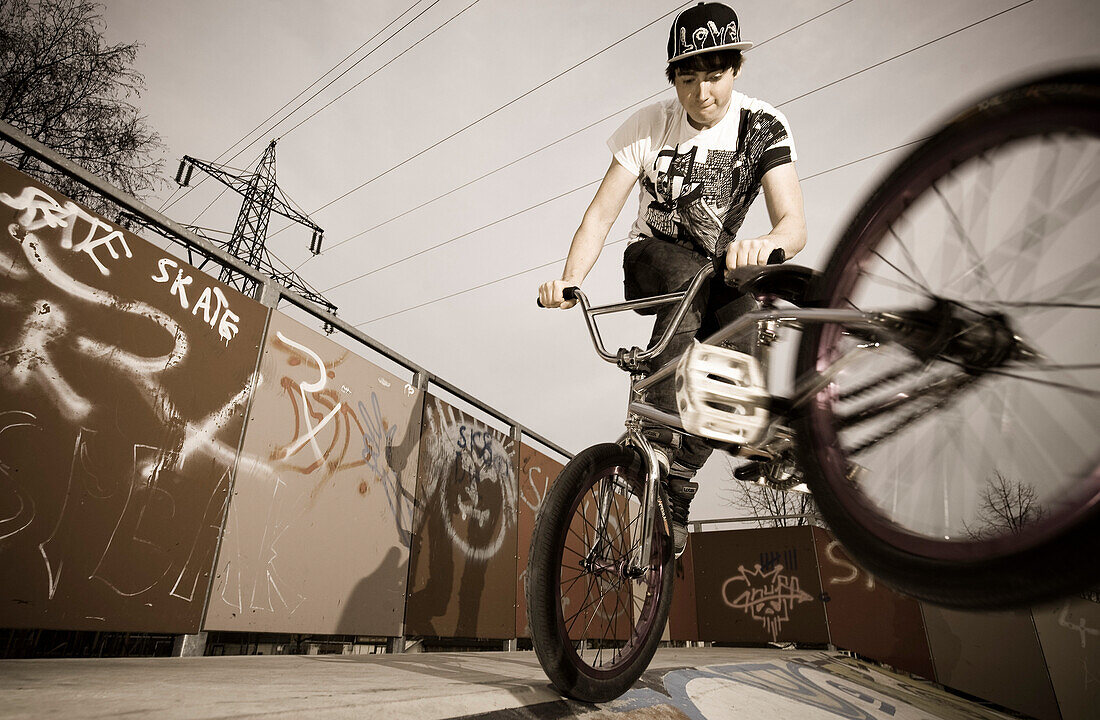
703, 195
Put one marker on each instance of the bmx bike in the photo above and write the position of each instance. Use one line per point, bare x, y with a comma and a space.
945, 406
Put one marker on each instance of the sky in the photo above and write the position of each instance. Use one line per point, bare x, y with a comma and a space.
449, 149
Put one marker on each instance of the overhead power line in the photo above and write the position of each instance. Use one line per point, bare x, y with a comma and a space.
466, 234
490, 114
322, 89
378, 70
786, 102
559, 140
910, 50
616, 242
342, 74
482, 177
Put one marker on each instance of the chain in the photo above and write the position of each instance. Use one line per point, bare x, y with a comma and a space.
949, 393
864, 389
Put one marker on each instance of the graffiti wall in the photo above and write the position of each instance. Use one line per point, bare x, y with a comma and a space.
1069, 634
124, 375
463, 563
318, 534
537, 472
867, 617
992, 655
683, 618
758, 586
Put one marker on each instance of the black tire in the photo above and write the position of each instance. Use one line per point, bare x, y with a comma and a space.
625, 637
1048, 408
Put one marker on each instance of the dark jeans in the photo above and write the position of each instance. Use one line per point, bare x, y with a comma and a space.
656, 267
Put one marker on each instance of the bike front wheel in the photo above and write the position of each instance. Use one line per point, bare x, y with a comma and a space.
961, 463
595, 616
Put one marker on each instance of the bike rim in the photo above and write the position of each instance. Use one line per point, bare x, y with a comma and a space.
1009, 458
603, 617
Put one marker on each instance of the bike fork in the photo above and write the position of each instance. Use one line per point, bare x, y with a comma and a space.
640, 561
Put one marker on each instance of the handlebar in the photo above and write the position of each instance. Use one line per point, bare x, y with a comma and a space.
684, 299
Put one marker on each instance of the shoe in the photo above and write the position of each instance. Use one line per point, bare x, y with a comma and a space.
680, 494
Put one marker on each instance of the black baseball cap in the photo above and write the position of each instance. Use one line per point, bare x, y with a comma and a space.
704, 28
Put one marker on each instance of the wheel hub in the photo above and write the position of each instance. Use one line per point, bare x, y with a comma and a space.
979, 341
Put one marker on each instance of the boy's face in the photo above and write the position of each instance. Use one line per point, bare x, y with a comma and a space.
705, 95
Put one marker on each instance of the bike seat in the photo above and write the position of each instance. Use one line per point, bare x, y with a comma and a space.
786, 282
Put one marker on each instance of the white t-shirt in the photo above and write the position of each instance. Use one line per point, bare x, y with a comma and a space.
697, 185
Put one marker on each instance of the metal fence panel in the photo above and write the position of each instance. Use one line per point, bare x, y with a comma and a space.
758, 586
537, 473
462, 580
126, 375
1069, 633
867, 617
991, 655
683, 618
317, 539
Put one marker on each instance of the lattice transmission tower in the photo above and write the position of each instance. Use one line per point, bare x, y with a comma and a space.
248, 241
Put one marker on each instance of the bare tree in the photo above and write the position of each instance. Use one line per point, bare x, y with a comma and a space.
1006, 505
65, 86
766, 501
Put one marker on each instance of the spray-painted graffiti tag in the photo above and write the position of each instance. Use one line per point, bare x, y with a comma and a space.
769, 597
227, 328
40, 210
473, 477
118, 438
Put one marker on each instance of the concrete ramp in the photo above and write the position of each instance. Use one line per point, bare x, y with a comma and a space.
697, 684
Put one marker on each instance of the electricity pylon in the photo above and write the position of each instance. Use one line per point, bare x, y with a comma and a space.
248, 242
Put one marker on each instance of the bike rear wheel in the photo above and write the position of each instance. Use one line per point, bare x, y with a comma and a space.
595, 623
963, 467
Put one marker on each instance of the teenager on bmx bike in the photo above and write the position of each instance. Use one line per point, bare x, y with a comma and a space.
947, 356
700, 161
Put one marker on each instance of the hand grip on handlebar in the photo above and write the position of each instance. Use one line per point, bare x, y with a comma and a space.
569, 293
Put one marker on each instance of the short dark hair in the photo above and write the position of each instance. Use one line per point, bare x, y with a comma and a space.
706, 62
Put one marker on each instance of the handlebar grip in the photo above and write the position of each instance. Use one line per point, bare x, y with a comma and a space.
569, 293
777, 256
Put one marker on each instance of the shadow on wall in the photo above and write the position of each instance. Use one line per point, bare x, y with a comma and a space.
387, 585
383, 588
462, 577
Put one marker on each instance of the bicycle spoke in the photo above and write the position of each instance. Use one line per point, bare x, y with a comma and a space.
888, 282
1034, 450
1049, 383
920, 281
939, 387
917, 285
1051, 223
979, 267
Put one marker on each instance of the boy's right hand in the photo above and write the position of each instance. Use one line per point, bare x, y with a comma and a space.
550, 294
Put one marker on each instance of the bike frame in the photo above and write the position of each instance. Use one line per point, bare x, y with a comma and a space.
640, 415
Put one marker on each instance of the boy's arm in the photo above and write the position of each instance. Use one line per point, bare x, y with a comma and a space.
590, 236
783, 195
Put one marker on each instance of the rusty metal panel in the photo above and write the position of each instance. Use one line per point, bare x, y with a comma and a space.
537, 473
317, 539
123, 381
462, 581
683, 619
758, 586
1069, 633
867, 617
991, 655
